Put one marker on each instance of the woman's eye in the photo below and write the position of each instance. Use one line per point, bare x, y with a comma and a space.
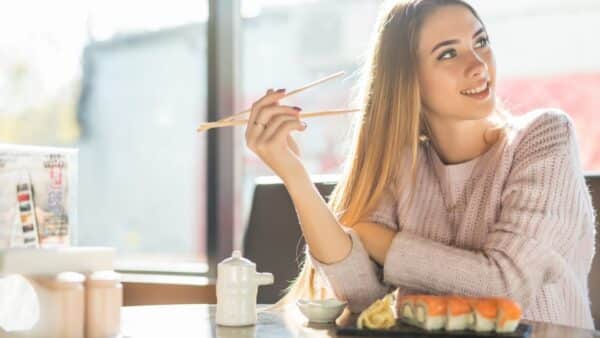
447, 54
483, 42
450, 53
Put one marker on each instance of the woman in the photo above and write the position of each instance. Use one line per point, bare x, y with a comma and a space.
443, 193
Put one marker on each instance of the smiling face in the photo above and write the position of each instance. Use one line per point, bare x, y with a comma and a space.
457, 70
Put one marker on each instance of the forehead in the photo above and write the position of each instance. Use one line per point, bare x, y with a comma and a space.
447, 23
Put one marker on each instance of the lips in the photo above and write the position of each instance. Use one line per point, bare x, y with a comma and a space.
480, 93
477, 89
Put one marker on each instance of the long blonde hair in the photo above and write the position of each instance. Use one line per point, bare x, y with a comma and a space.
390, 122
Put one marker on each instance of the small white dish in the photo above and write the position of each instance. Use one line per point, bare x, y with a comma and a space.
321, 311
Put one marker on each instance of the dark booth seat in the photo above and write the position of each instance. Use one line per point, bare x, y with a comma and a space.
273, 239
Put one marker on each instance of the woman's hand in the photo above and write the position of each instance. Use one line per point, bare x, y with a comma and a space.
268, 134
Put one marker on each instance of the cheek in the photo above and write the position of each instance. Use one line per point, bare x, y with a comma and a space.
492, 66
438, 85
490, 60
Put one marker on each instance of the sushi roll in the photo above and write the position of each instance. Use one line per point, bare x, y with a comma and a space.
485, 314
459, 313
509, 315
430, 312
405, 307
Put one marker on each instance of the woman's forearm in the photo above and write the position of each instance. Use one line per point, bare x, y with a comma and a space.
268, 136
327, 241
376, 239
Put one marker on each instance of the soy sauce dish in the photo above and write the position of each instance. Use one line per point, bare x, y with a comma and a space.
321, 311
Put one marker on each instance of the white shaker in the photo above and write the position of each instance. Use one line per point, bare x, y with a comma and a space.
62, 305
237, 288
104, 298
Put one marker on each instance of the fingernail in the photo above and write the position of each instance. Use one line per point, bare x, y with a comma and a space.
297, 108
280, 90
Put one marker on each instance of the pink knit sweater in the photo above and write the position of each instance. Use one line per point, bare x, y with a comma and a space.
522, 227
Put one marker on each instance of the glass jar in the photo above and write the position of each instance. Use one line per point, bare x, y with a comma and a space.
104, 298
62, 305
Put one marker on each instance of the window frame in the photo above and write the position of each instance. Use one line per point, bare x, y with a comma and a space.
223, 209
222, 164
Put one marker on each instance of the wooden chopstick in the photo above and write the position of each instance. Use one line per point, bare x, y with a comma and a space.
293, 92
238, 122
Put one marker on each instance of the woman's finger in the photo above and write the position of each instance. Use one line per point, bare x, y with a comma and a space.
270, 98
285, 129
255, 126
274, 124
270, 112
253, 129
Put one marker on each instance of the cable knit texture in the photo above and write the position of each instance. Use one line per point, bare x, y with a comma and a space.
523, 227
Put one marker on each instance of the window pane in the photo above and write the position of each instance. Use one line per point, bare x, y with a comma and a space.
287, 44
143, 92
542, 48
545, 59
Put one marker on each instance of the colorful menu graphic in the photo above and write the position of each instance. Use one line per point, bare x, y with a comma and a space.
38, 196
28, 222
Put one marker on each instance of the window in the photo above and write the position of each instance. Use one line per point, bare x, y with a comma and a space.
287, 44
542, 48
143, 91
544, 59
125, 82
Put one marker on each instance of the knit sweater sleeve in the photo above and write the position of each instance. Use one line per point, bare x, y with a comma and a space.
386, 210
357, 278
525, 248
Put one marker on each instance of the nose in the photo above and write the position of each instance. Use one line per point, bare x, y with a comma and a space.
477, 67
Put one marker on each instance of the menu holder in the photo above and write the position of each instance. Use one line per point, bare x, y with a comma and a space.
38, 196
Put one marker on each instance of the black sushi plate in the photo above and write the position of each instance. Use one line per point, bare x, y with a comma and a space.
405, 330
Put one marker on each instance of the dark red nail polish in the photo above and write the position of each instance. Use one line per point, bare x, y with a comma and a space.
281, 90
297, 108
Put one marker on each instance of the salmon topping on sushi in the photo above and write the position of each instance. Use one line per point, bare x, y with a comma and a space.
509, 315
436, 305
508, 310
431, 312
460, 314
486, 307
458, 306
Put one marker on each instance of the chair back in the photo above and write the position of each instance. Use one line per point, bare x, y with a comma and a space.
273, 239
593, 182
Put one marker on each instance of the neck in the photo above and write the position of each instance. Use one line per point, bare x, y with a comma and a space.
457, 141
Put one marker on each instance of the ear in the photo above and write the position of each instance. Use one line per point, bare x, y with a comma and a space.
425, 128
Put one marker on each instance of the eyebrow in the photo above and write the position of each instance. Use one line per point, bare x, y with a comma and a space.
451, 42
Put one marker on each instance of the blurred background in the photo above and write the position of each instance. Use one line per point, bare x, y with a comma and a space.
127, 82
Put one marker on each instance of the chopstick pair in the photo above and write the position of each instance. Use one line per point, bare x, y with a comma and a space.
234, 121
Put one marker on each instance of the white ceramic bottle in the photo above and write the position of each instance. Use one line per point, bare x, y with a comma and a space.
237, 287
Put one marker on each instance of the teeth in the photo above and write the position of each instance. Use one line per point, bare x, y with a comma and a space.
476, 90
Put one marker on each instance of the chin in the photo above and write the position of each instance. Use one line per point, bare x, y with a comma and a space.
484, 113
467, 110
481, 110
